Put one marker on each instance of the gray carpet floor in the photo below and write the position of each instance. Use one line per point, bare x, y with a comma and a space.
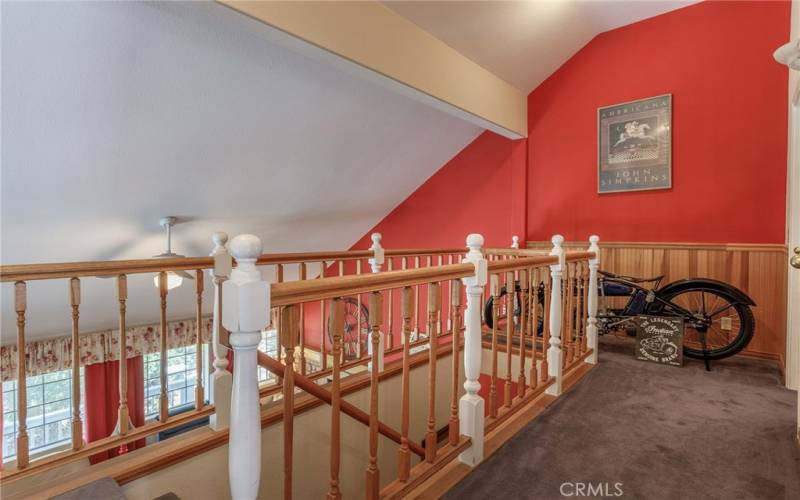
662, 432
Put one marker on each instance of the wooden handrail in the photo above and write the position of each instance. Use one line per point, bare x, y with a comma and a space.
295, 292
27, 272
304, 383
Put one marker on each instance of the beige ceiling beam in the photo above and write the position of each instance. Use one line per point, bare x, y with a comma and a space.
376, 38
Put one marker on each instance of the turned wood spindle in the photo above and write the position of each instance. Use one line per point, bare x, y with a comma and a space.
510, 296
336, 328
495, 290
403, 456
434, 305
455, 302
523, 286
302, 325
199, 390
544, 370
289, 334
77, 425
163, 404
123, 416
20, 305
373, 474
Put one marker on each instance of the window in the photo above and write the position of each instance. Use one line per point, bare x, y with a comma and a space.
49, 417
181, 378
268, 345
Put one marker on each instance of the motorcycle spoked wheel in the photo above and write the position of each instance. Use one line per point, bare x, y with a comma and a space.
501, 320
731, 323
354, 338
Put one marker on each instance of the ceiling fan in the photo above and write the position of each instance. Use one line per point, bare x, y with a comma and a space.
174, 278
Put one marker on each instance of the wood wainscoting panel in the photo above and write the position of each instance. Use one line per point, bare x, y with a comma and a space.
758, 270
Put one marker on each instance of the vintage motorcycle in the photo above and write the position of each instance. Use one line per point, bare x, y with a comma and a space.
717, 318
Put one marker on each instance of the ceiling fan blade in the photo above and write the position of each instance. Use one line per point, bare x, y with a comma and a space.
184, 274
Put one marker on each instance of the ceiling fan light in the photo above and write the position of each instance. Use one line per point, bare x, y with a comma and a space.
173, 280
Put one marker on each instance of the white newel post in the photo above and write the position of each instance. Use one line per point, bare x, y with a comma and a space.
515, 242
245, 313
221, 379
376, 262
591, 330
554, 355
470, 408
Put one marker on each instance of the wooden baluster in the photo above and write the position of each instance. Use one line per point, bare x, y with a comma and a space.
416, 300
336, 327
341, 268
77, 425
289, 333
578, 322
390, 339
510, 296
442, 314
455, 302
359, 348
450, 306
566, 332
434, 333
373, 474
20, 304
585, 308
275, 313
123, 418
403, 457
533, 322
523, 316
545, 367
495, 290
302, 360
322, 322
199, 390
434, 304
163, 413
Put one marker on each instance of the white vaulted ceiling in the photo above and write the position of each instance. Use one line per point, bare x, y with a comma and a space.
524, 42
117, 113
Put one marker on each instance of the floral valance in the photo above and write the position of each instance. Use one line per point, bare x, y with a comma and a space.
43, 356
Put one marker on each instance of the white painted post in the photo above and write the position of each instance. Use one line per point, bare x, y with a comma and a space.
221, 379
554, 354
245, 313
515, 241
470, 408
376, 262
591, 330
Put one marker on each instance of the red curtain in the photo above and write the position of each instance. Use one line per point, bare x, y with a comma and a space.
102, 402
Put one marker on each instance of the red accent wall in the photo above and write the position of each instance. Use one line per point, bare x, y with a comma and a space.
472, 193
729, 129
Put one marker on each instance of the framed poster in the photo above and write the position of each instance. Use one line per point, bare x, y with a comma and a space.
659, 339
634, 145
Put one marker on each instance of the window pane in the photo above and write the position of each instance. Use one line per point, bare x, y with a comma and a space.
35, 394
56, 391
9, 401
35, 416
57, 411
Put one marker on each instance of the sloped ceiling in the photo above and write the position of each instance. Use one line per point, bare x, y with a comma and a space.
524, 42
117, 113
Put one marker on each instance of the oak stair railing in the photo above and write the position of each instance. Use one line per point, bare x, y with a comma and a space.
249, 306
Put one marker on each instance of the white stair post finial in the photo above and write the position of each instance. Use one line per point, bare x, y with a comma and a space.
471, 405
221, 379
376, 262
245, 313
591, 329
515, 241
554, 354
